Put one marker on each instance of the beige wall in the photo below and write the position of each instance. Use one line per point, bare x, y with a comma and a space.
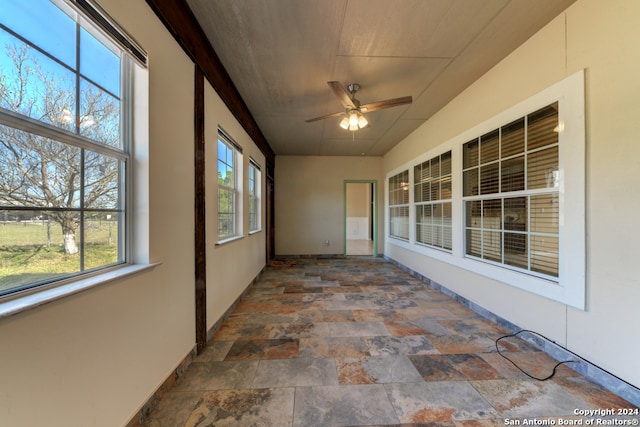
357, 199
93, 359
237, 262
309, 201
600, 37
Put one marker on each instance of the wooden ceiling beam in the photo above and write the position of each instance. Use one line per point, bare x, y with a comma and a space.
177, 17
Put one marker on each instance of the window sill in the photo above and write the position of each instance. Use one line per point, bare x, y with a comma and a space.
228, 240
21, 303
259, 230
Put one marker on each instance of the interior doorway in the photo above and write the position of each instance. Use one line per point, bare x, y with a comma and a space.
360, 229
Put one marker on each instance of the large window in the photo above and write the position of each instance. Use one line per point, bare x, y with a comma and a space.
511, 184
399, 205
64, 144
255, 179
432, 197
504, 199
229, 184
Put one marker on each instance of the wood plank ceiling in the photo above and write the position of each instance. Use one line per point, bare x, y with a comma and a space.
280, 54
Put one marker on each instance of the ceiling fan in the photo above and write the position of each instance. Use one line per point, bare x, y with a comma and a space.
355, 119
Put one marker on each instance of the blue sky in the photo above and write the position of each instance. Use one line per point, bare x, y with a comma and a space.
45, 25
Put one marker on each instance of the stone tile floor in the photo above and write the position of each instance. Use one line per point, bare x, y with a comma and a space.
359, 342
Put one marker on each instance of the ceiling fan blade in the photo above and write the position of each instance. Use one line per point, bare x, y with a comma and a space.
342, 94
388, 103
328, 116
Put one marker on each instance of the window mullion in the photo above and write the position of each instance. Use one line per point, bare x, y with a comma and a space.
28, 124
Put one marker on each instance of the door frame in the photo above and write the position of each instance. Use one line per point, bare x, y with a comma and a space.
374, 214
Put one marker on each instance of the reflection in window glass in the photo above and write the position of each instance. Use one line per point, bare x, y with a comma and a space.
36, 86
42, 24
99, 115
99, 64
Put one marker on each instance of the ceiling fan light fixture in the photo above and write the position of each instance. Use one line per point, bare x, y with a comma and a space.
354, 121
362, 121
344, 124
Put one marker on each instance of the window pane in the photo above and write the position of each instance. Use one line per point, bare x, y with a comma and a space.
435, 168
474, 243
515, 214
470, 154
226, 212
102, 181
445, 163
473, 213
446, 238
101, 231
32, 249
44, 25
98, 63
404, 188
445, 188
425, 194
420, 237
425, 214
492, 213
222, 172
470, 178
446, 213
544, 254
37, 171
543, 169
434, 193
513, 138
542, 127
492, 245
515, 250
513, 174
489, 147
489, 179
417, 192
545, 213
36, 86
399, 222
229, 158
99, 115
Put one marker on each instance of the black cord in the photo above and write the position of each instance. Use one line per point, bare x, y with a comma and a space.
522, 370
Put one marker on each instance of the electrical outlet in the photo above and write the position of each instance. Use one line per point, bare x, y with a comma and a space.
326, 243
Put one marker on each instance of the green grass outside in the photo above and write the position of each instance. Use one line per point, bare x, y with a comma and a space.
25, 256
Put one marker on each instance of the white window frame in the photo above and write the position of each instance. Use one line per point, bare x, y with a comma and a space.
394, 199
235, 188
135, 235
443, 231
255, 196
570, 286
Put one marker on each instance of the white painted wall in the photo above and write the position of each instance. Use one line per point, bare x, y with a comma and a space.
600, 37
240, 261
93, 359
309, 202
